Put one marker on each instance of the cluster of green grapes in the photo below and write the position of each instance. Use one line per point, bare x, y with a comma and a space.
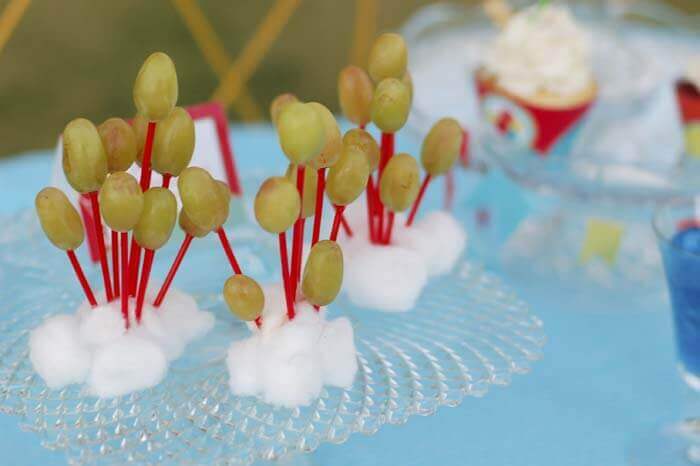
383, 95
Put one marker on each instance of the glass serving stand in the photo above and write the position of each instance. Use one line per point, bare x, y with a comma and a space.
467, 333
624, 160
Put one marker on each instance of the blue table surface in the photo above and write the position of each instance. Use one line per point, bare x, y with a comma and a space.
607, 376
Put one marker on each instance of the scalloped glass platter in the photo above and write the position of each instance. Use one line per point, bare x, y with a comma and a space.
468, 332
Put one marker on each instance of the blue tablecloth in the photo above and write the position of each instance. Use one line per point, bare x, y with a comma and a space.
607, 376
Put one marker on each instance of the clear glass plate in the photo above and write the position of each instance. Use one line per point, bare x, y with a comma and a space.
468, 332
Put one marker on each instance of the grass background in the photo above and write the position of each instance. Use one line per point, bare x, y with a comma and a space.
70, 58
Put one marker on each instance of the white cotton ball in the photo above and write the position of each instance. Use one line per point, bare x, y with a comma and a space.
56, 352
338, 354
243, 361
180, 315
387, 278
154, 329
291, 371
439, 238
126, 365
102, 325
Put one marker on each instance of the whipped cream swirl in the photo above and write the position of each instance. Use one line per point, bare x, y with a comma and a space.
541, 49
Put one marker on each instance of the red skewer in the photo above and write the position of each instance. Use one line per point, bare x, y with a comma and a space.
134, 261
298, 235
389, 228
125, 277
81, 278
416, 203
146, 160
115, 262
166, 180
346, 226
386, 152
320, 189
227, 249
285, 275
370, 207
95, 203
143, 284
173, 270
336, 222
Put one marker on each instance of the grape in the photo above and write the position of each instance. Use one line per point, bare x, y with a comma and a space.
347, 179
157, 218
278, 103
323, 273
388, 57
277, 204
225, 195
201, 197
173, 144
310, 184
155, 89
364, 142
441, 146
140, 126
119, 142
355, 94
331, 149
390, 105
121, 201
400, 182
59, 219
300, 131
84, 157
190, 228
244, 297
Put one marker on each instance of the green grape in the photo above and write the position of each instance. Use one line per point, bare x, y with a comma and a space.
323, 273
140, 126
310, 184
190, 228
408, 81
300, 131
390, 105
355, 91
225, 195
119, 142
277, 204
173, 144
278, 103
155, 88
400, 182
59, 219
244, 297
201, 197
441, 146
347, 179
157, 219
388, 57
331, 149
84, 157
363, 141
121, 201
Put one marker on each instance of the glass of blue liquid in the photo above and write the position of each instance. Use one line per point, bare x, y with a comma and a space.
677, 227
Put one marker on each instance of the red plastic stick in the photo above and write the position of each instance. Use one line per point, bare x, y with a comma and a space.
320, 189
370, 207
173, 270
115, 262
389, 228
81, 278
285, 275
346, 226
386, 152
336, 222
125, 277
134, 262
143, 284
101, 245
166, 180
416, 203
300, 249
229, 252
146, 160
298, 235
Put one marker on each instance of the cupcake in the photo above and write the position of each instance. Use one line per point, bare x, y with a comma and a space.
535, 84
688, 94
